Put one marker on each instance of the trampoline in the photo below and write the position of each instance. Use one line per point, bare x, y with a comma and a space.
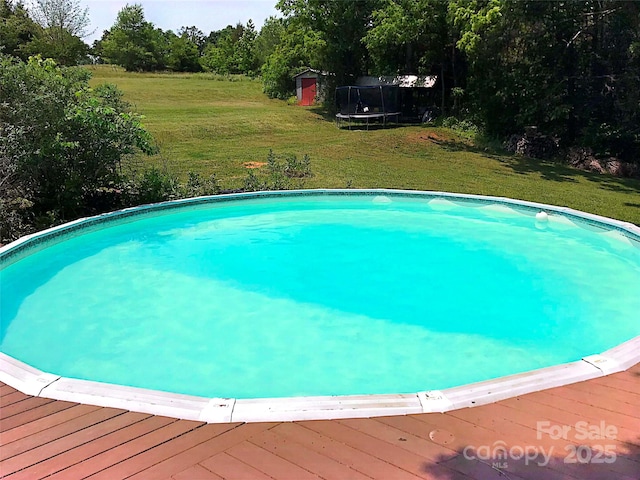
367, 104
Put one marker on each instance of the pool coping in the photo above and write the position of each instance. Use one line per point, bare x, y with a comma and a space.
32, 381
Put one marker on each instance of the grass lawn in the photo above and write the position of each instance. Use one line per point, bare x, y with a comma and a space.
208, 124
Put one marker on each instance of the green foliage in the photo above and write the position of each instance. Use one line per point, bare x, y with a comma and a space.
408, 36
63, 24
268, 39
132, 42
231, 50
277, 76
244, 52
280, 172
183, 54
153, 185
197, 186
59, 45
195, 36
17, 29
252, 183
59, 16
474, 20
294, 168
466, 128
300, 48
55, 35
61, 142
567, 67
137, 45
341, 26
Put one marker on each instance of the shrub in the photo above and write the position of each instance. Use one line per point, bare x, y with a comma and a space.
61, 144
465, 127
280, 170
153, 185
196, 186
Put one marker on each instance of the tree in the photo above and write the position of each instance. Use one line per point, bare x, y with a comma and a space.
219, 52
183, 55
300, 47
64, 23
132, 42
61, 143
17, 29
268, 39
244, 54
566, 67
415, 37
61, 15
341, 25
65, 49
195, 36
230, 50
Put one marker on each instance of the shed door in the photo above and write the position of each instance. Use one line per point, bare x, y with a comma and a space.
308, 91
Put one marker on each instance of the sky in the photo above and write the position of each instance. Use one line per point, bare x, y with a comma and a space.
207, 15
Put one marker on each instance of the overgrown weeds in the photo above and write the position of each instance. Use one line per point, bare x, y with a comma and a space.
282, 172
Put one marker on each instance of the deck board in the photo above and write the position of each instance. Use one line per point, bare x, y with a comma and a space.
41, 418
6, 390
304, 457
182, 438
42, 438
346, 454
71, 449
77, 455
12, 398
200, 473
626, 424
53, 435
211, 444
129, 448
226, 466
77, 432
22, 406
270, 464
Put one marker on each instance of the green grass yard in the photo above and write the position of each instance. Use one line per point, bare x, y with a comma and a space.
209, 124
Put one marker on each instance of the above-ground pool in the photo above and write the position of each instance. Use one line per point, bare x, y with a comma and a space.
319, 293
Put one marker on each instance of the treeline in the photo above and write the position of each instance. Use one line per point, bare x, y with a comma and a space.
55, 29
50, 28
138, 45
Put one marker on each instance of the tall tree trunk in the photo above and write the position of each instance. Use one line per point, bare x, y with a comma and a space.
442, 87
408, 61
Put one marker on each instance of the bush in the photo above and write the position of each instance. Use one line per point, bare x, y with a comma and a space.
61, 144
465, 127
277, 77
153, 185
196, 186
280, 170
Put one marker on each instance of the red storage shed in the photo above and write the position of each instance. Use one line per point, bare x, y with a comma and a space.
309, 86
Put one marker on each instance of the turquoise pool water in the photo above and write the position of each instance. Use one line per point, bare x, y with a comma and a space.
321, 295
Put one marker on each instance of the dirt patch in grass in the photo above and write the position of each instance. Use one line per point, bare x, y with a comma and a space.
436, 136
254, 164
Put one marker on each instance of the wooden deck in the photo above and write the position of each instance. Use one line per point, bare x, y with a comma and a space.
59, 440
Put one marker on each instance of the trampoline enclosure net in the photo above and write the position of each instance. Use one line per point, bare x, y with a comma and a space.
362, 100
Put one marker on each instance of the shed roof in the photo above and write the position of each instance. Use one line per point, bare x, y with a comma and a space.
310, 70
403, 81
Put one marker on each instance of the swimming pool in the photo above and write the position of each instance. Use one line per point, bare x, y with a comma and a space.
344, 300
